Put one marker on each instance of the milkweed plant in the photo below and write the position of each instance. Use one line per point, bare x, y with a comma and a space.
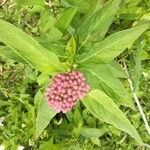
81, 65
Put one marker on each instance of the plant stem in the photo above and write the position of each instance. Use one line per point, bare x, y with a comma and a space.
137, 100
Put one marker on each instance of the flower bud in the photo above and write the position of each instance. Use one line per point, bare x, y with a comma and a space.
66, 90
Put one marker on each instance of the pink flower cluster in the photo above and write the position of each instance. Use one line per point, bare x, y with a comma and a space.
66, 90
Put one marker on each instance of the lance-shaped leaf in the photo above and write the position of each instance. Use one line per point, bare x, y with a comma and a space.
102, 77
27, 47
113, 84
116, 69
71, 49
66, 18
103, 107
7, 52
44, 116
97, 24
113, 45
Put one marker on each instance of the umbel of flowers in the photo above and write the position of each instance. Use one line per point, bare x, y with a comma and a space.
66, 89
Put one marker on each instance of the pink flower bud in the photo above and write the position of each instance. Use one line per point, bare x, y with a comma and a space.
75, 87
69, 91
65, 96
66, 90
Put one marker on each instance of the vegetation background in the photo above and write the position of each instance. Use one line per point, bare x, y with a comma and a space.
21, 85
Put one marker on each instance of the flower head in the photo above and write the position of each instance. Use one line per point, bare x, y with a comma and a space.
66, 90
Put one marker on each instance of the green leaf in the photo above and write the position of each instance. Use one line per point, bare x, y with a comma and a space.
97, 24
45, 114
26, 47
96, 141
103, 107
92, 132
113, 45
57, 48
47, 21
135, 65
43, 79
102, 77
71, 48
65, 19
7, 52
116, 69
82, 5
37, 98
46, 24
132, 13
103, 73
54, 35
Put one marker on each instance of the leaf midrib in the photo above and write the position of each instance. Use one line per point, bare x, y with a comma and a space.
113, 113
104, 82
106, 47
100, 18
